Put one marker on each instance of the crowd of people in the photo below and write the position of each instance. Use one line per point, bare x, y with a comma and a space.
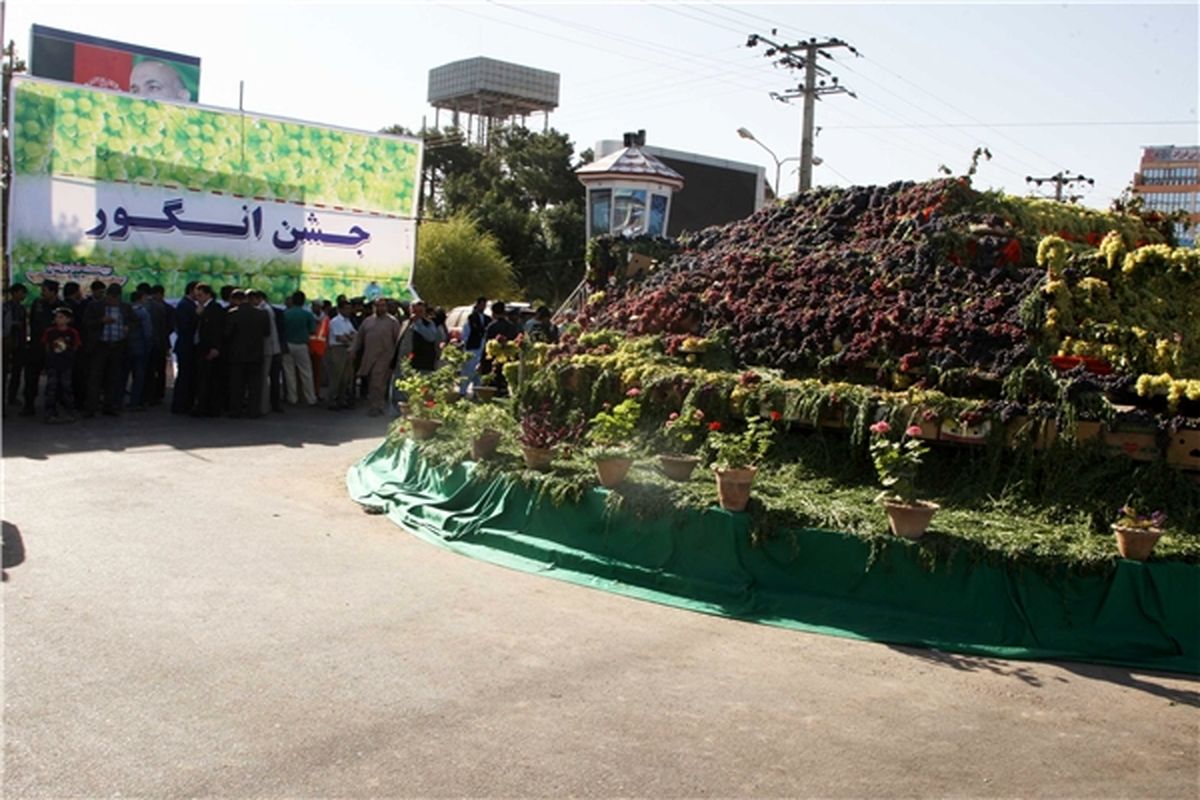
229, 352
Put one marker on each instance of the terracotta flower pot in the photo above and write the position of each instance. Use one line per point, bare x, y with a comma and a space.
612, 471
678, 468
485, 394
909, 521
1136, 543
538, 458
484, 445
451, 396
733, 487
424, 428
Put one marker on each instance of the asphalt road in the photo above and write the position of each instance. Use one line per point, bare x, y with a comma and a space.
199, 611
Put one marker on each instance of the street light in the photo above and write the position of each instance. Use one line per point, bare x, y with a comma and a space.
746, 134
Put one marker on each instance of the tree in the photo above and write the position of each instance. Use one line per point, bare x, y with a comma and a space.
456, 263
522, 189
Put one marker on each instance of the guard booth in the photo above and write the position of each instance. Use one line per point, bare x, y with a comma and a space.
629, 192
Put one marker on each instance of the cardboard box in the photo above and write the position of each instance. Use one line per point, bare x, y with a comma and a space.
953, 430
1137, 445
1184, 449
1086, 431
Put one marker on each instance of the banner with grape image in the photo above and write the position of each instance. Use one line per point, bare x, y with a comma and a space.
122, 189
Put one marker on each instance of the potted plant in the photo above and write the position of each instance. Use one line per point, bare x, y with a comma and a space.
683, 432
485, 424
1137, 534
611, 434
541, 434
416, 387
896, 462
485, 392
428, 415
736, 457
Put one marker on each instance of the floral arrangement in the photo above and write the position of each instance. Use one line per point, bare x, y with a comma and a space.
1128, 517
539, 429
612, 430
897, 460
685, 432
483, 417
414, 385
744, 449
501, 350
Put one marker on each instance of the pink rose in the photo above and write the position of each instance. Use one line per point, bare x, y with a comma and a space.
633, 392
673, 416
881, 427
913, 430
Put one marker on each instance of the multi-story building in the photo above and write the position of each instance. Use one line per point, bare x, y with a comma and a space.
1168, 180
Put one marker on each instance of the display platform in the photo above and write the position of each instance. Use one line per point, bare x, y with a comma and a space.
1142, 615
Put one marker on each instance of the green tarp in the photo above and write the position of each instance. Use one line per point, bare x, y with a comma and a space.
1137, 615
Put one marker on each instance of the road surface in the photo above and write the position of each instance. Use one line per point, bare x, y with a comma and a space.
199, 611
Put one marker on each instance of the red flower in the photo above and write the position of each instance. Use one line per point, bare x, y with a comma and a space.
430, 403
776, 416
1012, 251
714, 426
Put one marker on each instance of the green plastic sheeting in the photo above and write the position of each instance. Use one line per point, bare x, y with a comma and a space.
1137, 615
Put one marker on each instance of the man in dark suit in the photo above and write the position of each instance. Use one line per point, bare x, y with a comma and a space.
107, 324
210, 335
183, 396
41, 317
156, 359
246, 328
275, 378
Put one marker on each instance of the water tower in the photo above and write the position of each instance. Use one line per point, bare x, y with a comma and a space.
492, 94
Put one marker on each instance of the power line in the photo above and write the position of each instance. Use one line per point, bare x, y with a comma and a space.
803, 56
1062, 179
1076, 124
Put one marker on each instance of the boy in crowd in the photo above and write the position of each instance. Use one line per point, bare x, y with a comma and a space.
60, 343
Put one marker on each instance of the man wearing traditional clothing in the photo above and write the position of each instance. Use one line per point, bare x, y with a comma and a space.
376, 341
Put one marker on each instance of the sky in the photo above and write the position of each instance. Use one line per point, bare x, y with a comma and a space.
1045, 87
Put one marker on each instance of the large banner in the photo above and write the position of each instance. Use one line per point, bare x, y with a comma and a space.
92, 61
122, 189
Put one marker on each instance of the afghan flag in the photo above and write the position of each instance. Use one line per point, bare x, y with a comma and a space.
89, 60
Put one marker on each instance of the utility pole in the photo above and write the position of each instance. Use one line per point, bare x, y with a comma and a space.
803, 55
1060, 180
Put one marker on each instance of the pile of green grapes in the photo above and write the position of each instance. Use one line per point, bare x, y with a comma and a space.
173, 270
66, 130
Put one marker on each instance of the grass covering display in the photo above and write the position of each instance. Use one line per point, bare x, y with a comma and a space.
884, 589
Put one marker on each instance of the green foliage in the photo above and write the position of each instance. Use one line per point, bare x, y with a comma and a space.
685, 431
612, 431
494, 416
897, 460
523, 191
745, 448
457, 262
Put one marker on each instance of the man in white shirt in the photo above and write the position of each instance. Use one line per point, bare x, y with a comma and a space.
338, 363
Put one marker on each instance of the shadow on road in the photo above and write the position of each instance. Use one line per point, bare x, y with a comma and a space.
964, 663
1142, 682
14, 548
26, 437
